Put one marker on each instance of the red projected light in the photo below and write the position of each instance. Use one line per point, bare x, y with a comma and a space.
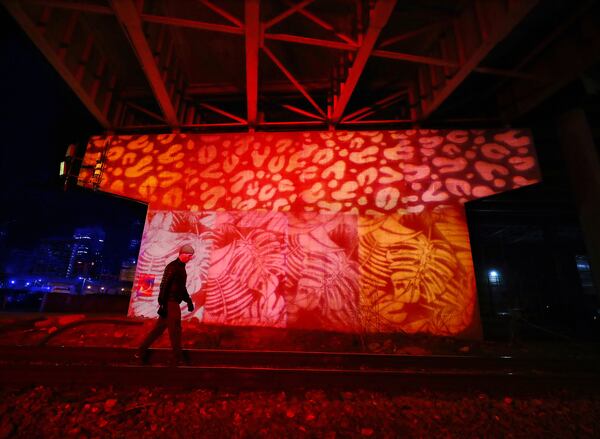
342, 230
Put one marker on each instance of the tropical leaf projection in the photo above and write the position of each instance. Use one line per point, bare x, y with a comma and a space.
410, 274
245, 271
341, 230
164, 234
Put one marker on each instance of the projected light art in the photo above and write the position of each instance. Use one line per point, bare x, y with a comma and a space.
344, 231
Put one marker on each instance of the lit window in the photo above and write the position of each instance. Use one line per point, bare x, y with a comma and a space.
494, 277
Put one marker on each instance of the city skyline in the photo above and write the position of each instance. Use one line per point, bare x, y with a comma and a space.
58, 255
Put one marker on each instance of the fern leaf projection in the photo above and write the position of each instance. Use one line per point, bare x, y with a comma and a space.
322, 278
449, 223
378, 309
244, 274
412, 278
164, 234
420, 268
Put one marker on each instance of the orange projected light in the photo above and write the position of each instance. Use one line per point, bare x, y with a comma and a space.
347, 231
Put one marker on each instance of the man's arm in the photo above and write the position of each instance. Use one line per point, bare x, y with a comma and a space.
186, 296
187, 299
165, 285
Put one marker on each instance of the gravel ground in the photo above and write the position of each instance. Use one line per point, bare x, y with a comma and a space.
105, 412
199, 336
160, 412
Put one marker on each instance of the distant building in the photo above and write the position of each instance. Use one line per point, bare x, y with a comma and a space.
53, 257
19, 261
129, 264
86, 253
127, 272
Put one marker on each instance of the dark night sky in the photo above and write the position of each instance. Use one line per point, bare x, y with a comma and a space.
39, 117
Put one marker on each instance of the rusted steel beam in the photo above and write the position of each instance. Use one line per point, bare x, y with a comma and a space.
495, 21
371, 109
42, 22
379, 17
67, 36
216, 125
129, 17
512, 74
84, 58
295, 8
425, 90
98, 75
223, 13
446, 63
29, 26
307, 123
279, 86
445, 51
293, 80
412, 33
192, 24
412, 101
320, 22
74, 6
223, 112
562, 54
420, 59
252, 32
145, 111
311, 41
378, 122
544, 78
302, 112
109, 94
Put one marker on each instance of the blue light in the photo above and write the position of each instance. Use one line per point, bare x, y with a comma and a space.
12, 282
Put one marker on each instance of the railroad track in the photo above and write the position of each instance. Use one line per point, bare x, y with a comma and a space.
283, 370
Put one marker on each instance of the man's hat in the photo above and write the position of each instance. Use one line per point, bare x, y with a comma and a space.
186, 249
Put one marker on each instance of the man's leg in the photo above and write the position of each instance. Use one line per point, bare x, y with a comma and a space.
174, 323
159, 328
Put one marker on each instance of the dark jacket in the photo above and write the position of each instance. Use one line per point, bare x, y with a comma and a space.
173, 283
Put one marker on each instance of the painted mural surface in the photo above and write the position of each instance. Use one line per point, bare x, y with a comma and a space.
347, 231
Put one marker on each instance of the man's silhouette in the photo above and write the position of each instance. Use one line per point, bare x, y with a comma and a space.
172, 292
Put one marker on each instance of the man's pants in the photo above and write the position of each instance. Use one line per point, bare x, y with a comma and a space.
173, 322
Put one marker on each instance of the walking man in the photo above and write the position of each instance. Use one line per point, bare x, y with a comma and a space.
172, 292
